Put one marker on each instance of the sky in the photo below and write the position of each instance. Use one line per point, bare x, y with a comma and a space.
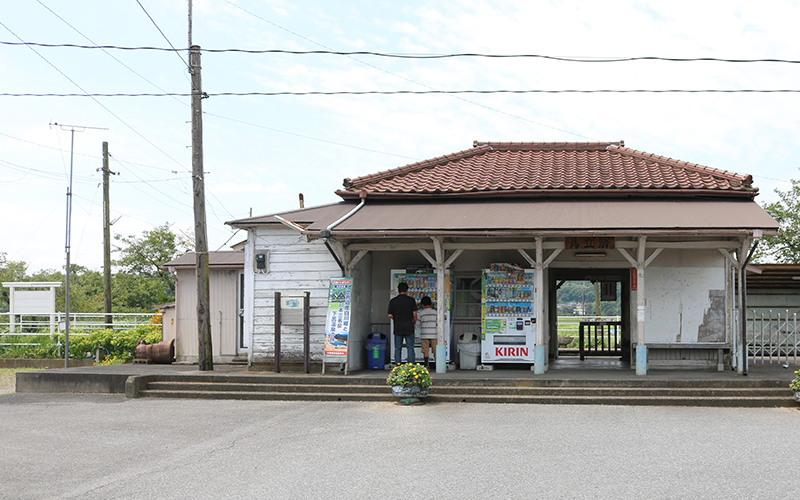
261, 152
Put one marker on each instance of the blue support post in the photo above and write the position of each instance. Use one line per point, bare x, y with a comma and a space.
641, 360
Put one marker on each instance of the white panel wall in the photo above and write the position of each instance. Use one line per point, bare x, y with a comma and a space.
685, 297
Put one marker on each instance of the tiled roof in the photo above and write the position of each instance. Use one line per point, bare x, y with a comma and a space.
537, 168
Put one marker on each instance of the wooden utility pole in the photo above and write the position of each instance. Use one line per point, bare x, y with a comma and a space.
106, 240
205, 356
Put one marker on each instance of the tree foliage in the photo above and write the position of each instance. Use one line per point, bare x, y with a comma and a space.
139, 283
10, 270
783, 248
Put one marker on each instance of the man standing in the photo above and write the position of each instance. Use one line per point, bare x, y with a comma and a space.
403, 312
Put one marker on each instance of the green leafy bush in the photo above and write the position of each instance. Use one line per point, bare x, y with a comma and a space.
18, 347
118, 344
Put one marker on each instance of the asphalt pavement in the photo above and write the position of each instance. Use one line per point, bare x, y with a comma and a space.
97, 446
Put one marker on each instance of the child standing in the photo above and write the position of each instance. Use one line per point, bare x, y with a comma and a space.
426, 319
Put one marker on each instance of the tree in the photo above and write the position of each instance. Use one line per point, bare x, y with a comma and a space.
141, 282
10, 270
85, 288
784, 248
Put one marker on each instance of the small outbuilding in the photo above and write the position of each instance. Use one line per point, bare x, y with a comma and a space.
665, 238
226, 281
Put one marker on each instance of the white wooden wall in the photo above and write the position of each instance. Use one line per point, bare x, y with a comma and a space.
295, 265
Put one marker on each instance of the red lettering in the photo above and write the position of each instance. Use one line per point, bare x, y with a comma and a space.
511, 352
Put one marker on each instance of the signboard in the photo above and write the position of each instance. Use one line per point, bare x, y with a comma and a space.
337, 323
634, 278
590, 243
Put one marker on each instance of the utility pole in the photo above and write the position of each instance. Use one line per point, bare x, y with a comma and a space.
106, 240
205, 355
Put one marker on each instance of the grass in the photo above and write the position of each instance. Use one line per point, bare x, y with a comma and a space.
8, 379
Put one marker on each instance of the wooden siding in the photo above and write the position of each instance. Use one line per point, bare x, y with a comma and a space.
295, 266
224, 314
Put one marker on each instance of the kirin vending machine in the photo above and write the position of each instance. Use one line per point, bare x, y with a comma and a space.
508, 318
420, 285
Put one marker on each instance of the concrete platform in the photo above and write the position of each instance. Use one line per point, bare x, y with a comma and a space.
112, 379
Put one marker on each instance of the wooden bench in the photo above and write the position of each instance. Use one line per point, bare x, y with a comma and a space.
720, 347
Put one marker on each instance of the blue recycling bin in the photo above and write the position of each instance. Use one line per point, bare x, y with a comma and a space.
376, 351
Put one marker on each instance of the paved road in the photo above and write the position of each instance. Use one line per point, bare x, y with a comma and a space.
108, 447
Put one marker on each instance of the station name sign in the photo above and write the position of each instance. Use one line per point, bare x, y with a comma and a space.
589, 243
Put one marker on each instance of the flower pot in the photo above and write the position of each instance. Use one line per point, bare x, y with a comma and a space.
409, 391
797, 396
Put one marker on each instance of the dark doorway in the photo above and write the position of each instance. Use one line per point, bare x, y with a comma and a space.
594, 306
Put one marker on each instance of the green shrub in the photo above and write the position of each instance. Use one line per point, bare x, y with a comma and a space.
19, 349
118, 344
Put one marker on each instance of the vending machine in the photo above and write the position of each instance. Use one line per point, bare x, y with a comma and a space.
508, 317
421, 284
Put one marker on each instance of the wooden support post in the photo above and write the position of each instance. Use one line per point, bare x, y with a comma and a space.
277, 342
307, 332
540, 349
641, 348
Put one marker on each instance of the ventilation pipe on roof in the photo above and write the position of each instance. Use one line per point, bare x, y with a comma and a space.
326, 233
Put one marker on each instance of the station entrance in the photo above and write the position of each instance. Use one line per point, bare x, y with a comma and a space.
589, 315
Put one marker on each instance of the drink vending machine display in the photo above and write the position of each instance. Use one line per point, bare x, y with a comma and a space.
420, 285
508, 318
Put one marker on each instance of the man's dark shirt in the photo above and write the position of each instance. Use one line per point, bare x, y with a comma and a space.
402, 310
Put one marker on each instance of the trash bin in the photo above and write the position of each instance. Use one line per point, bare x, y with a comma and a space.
469, 350
376, 351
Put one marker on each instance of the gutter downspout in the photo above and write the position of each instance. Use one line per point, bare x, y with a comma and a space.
743, 315
326, 233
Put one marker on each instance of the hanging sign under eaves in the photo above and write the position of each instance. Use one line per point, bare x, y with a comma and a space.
589, 243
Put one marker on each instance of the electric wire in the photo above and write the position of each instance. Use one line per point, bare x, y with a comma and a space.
106, 51
165, 36
578, 59
93, 98
46, 218
182, 204
462, 99
419, 92
44, 173
309, 137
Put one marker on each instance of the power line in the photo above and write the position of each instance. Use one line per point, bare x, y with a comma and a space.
309, 137
579, 59
91, 96
105, 51
462, 99
162, 34
416, 92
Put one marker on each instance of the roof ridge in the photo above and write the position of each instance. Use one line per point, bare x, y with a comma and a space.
411, 167
549, 146
746, 180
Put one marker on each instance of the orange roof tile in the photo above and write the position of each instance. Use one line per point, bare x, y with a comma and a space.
534, 168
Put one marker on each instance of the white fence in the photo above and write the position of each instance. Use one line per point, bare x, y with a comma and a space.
772, 336
80, 324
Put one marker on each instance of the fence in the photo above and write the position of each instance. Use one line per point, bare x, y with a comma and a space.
80, 324
772, 336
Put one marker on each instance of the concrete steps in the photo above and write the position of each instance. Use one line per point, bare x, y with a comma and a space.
731, 393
